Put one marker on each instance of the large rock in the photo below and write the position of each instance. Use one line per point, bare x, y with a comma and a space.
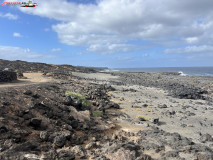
73, 101
7, 76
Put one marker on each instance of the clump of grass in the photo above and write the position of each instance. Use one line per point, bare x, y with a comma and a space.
146, 118
97, 114
85, 102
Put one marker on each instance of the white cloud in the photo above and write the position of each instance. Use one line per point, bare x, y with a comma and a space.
112, 48
9, 16
56, 50
99, 27
15, 34
192, 40
191, 49
14, 53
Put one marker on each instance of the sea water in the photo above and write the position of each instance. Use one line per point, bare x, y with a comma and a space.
195, 71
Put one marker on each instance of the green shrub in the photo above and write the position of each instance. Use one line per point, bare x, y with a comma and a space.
85, 103
97, 114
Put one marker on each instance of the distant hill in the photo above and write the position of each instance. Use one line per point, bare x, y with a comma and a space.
23, 66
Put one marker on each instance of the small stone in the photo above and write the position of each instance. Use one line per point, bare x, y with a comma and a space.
3, 129
28, 92
69, 128
206, 137
163, 106
66, 155
116, 106
80, 151
59, 141
31, 157
155, 120
35, 122
44, 135
90, 145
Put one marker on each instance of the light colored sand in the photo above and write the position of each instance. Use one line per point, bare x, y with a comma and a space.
154, 97
96, 76
32, 78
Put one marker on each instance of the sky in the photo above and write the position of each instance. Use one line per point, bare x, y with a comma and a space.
109, 33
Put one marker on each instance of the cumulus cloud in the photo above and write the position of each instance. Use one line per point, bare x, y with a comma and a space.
15, 34
9, 16
191, 49
108, 25
14, 53
112, 48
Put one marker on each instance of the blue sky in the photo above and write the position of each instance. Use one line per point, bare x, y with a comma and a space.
111, 33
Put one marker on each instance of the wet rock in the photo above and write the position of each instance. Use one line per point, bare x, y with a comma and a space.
60, 140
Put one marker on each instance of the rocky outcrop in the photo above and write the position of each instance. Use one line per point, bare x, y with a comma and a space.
22, 66
7, 76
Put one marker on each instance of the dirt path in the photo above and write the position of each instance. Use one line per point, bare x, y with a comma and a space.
32, 78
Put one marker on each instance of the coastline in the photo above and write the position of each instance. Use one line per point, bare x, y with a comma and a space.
181, 105
132, 116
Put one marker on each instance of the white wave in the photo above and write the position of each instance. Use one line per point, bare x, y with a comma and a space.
181, 73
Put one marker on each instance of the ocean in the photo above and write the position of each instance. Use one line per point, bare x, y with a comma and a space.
195, 71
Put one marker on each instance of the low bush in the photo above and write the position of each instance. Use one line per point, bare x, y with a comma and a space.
85, 102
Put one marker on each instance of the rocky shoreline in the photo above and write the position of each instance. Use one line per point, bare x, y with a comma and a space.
108, 116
